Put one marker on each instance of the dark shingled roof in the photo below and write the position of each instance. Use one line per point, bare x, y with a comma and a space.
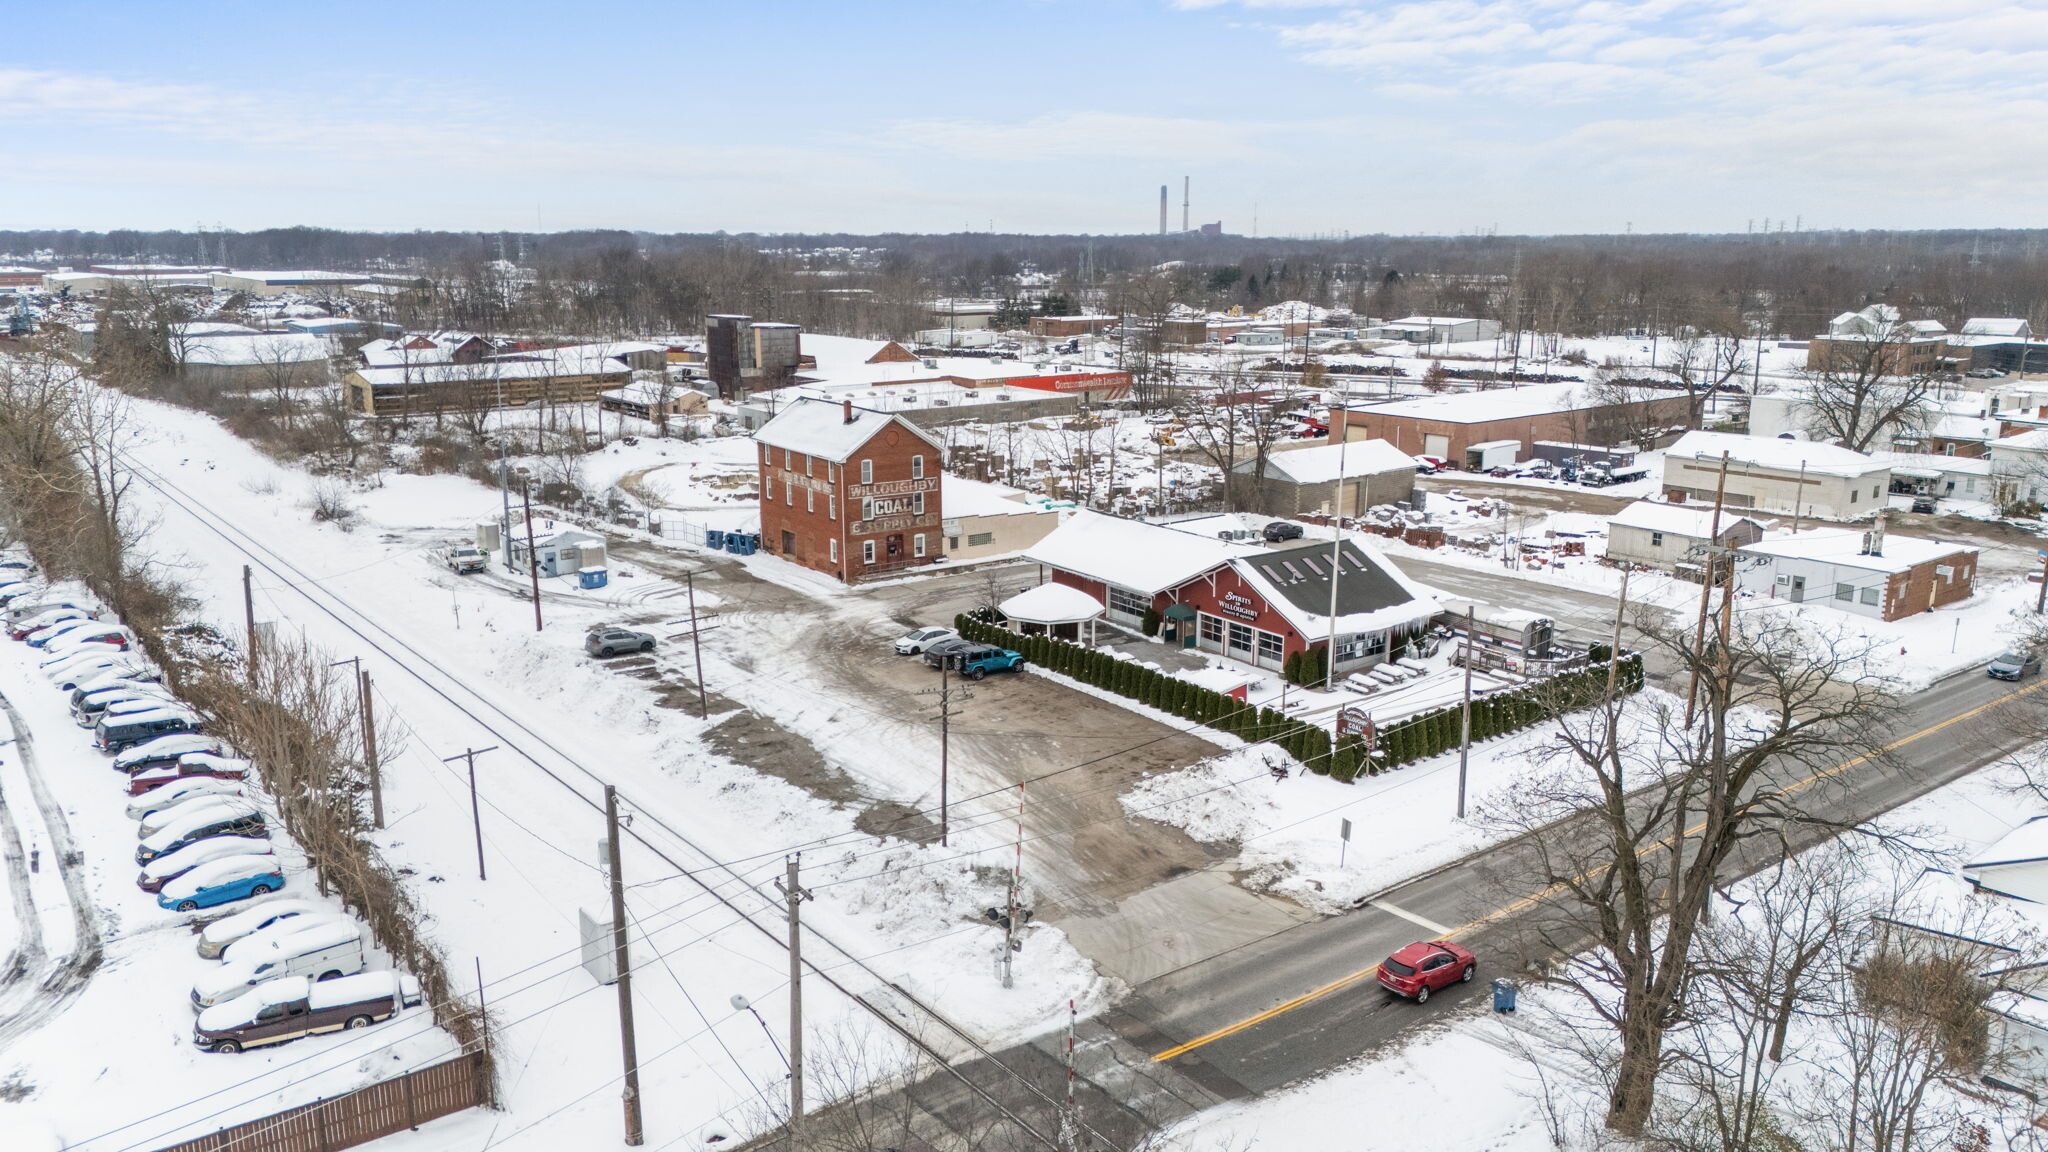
1302, 574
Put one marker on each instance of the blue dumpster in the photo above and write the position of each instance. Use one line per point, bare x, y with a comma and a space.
1504, 995
714, 539
736, 543
593, 577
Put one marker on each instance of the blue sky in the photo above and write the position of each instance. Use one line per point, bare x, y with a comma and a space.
1437, 116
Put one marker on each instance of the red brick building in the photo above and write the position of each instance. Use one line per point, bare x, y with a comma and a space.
848, 491
1247, 602
1446, 425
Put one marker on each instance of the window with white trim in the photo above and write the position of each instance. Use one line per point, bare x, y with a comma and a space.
1272, 645
1870, 597
917, 502
788, 491
832, 549
1212, 630
867, 551
810, 499
831, 506
1656, 539
1845, 591
917, 544
867, 471
917, 467
977, 539
867, 508
808, 461
785, 458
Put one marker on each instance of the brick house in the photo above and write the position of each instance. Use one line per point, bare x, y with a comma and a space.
1446, 425
849, 492
1865, 573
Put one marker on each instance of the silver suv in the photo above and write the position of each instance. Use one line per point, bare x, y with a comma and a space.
611, 641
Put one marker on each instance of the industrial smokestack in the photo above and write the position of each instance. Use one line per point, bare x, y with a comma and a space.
1162, 209
1184, 203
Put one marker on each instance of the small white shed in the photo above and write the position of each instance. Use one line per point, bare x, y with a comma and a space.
2016, 864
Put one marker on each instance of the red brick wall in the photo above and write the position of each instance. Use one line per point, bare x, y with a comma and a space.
1211, 594
834, 512
1919, 589
1589, 426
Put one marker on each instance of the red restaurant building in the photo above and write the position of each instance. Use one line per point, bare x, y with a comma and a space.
1244, 601
848, 491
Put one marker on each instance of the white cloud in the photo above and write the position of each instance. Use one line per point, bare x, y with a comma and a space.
1074, 136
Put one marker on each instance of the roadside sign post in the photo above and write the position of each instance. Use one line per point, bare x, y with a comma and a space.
2041, 598
1343, 839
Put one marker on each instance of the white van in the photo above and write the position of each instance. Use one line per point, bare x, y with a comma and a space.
320, 951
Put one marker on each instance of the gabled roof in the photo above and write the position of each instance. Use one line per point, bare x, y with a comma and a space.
1372, 594
1689, 520
1773, 452
1318, 465
1995, 326
1491, 404
1146, 558
820, 428
2026, 844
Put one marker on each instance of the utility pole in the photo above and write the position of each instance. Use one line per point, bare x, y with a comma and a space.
1699, 635
505, 497
1465, 711
697, 648
1614, 649
1799, 498
1010, 910
532, 558
794, 894
1336, 557
363, 695
946, 714
622, 967
475, 814
1070, 1116
2041, 598
249, 619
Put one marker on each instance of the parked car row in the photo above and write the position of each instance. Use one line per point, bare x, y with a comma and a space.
283, 968
944, 648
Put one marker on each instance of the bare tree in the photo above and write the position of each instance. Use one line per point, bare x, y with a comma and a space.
1868, 393
1659, 806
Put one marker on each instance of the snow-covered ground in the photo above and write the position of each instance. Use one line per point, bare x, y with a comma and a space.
911, 912
1404, 822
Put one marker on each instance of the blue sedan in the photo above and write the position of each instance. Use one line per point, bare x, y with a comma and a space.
222, 881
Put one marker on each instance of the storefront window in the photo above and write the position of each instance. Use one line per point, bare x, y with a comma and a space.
1212, 630
1272, 647
1128, 602
1240, 638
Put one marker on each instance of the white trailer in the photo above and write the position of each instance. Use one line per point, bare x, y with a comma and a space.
1492, 454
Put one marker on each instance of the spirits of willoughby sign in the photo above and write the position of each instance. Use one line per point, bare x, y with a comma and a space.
1241, 606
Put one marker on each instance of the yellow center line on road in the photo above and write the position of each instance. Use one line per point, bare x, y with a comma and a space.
1343, 982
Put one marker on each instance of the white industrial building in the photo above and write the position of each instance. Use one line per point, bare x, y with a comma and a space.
1435, 329
1769, 474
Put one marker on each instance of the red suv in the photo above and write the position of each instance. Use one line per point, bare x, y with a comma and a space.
1425, 967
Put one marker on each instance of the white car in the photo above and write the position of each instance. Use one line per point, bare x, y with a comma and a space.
181, 791
923, 638
215, 937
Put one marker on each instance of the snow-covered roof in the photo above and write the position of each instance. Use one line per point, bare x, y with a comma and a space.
2035, 441
485, 371
212, 328
820, 428
1372, 594
1995, 326
960, 496
1934, 461
2019, 1006
1434, 321
1491, 404
1674, 519
1845, 549
651, 392
1147, 558
2026, 844
1773, 452
235, 350
1318, 465
1051, 603
302, 276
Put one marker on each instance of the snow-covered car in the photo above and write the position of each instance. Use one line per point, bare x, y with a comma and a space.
215, 937
222, 882
265, 940
69, 673
285, 1010
915, 643
175, 792
202, 822
164, 750
172, 865
1430, 465
27, 626
323, 951
142, 727
70, 639
191, 766
92, 701
159, 819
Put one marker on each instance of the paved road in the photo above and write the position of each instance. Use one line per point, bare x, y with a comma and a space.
1229, 990
1301, 1000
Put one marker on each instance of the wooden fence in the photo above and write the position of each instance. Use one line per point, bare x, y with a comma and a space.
358, 1117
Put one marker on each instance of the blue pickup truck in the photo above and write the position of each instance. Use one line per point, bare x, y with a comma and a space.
973, 661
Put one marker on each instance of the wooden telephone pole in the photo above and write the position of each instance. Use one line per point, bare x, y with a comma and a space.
794, 894
945, 692
622, 967
475, 814
249, 619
